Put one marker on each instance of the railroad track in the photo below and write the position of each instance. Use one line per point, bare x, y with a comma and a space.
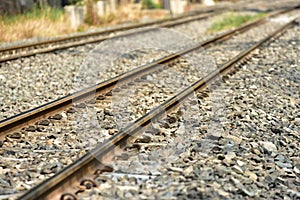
78, 176
25, 50
44, 111
50, 45
10, 125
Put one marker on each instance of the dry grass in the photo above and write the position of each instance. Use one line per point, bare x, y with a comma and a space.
124, 14
52, 22
32, 28
129, 13
38, 24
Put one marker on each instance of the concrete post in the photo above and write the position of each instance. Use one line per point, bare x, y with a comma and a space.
100, 8
76, 15
105, 7
113, 7
208, 2
177, 6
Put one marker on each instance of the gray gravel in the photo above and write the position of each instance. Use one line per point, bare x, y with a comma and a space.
243, 41
29, 82
60, 142
65, 137
243, 144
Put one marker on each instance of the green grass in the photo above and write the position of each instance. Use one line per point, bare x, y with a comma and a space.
35, 13
233, 20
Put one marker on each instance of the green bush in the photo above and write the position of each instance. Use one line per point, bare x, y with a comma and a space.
149, 4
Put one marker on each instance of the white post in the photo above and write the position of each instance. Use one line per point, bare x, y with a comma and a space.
70, 13
112, 4
100, 8
208, 2
177, 6
76, 15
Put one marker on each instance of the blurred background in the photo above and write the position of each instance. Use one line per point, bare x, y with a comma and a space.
21, 19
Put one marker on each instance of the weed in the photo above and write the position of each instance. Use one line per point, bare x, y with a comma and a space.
233, 20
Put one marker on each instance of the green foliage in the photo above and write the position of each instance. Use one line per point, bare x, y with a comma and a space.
35, 13
149, 4
233, 20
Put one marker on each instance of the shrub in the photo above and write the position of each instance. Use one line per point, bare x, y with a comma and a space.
149, 4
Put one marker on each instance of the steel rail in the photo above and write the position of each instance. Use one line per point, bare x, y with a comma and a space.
93, 37
54, 44
98, 32
64, 181
33, 115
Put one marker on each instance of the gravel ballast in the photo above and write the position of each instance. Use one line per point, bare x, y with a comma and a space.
257, 140
65, 137
243, 144
29, 82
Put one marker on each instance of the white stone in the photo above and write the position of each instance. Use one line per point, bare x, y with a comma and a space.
297, 121
240, 163
269, 146
2, 78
